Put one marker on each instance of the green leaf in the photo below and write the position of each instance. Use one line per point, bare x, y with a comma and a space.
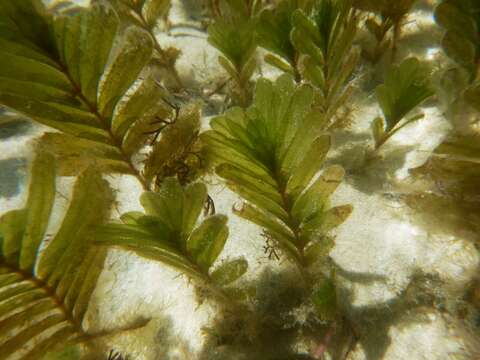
147, 96
273, 30
39, 205
313, 73
167, 204
265, 220
460, 49
279, 63
229, 68
455, 20
325, 299
195, 196
207, 241
405, 87
324, 221
229, 271
26, 22
97, 31
12, 227
308, 166
461, 147
461, 20
125, 68
235, 39
248, 70
316, 196
70, 352
307, 38
131, 217
74, 155
319, 250
90, 192
25, 69
249, 181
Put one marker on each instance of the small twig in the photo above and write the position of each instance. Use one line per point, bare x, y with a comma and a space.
322, 348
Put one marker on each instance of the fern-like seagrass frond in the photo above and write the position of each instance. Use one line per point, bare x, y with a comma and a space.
391, 18
44, 294
147, 14
461, 42
406, 86
167, 233
273, 31
269, 154
54, 70
325, 39
235, 38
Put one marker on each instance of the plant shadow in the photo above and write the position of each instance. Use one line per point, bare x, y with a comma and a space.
370, 175
371, 323
269, 328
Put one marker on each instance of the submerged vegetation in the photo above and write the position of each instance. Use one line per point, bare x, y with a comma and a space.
111, 100
405, 87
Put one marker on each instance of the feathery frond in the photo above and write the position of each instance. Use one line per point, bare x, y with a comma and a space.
461, 20
62, 72
235, 38
392, 15
406, 86
270, 154
166, 232
273, 30
146, 14
325, 41
44, 294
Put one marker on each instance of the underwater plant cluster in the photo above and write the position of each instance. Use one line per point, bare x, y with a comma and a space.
312, 191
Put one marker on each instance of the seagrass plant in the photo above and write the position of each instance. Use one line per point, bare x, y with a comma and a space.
234, 36
109, 103
45, 289
166, 232
147, 14
324, 39
273, 31
405, 87
385, 26
461, 21
270, 155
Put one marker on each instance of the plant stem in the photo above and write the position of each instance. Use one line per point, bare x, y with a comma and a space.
397, 28
105, 124
163, 56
